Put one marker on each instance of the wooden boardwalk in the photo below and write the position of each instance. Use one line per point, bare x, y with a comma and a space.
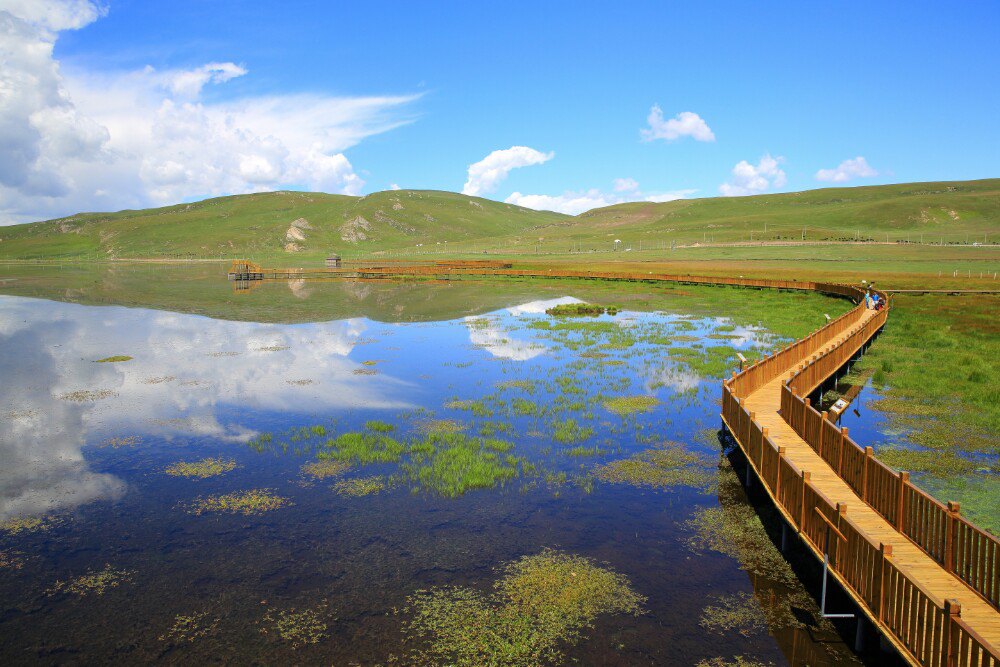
765, 403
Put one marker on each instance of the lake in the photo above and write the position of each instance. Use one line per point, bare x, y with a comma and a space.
382, 473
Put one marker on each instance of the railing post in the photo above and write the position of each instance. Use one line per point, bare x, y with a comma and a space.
949, 637
822, 430
802, 500
777, 476
805, 417
763, 440
869, 452
841, 513
885, 552
951, 526
904, 481
840, 454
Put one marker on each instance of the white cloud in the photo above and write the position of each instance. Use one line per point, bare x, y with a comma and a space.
574, 203
684, 124
751, 179
847, 170
484, 176
395, 186
625, 185
74, 139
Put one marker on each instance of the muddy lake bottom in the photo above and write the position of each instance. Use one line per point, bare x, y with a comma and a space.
185, 489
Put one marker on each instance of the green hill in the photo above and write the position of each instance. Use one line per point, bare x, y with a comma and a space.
288, 225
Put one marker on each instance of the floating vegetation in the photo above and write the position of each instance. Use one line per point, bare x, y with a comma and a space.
260, 442
371, 362
161, 379
190, 628
118, 443
364, 371
300, 383
379, 426
489, 429
10, 561
202, 469
525, 408
364, 448
630, 405
361, 486
715, 361
441, 426
583, 451
83, 395
666, 466
735, 661
297, 627
325, 468
113, 360
477, 408
749, 615
248, 503
569, 431
540, 604
223, 354
945, 463
93, 583
736, 530
28, 524
451, 464
580, 310
272, 348
524, 385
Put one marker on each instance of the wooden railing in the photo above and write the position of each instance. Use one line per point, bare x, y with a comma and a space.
929, 630
960, 547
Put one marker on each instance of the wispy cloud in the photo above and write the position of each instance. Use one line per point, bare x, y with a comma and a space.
484, 176
75, 139
847, 170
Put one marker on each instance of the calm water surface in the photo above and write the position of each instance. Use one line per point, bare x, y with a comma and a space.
86, 445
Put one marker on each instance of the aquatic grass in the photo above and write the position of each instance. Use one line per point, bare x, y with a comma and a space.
298, 628
750, 615
451, 464
581, 451
489, 429
476, 407
540, 604
29, 524
248, 503
523, 385
735, 661
123, 441
378, 426
86, 396
629, 405
663, 467
364, 371
441, 426
569, 431
261, 442
210, 467
714, 361
93, 582
525, 408
190, 627
114, 360
364, 448
580, 310
357, 487
325, 468
10, 560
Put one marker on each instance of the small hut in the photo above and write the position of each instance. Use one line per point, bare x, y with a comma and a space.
333, 261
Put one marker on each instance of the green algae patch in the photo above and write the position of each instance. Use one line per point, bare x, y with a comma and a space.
630, 405
450, 464
378, 426
28, 524
248, 503
361, 486
113, 360
540, 604
580, 310
297, 628
93, 583
190, 627
662, 467
210, 467
363, 448
325, 468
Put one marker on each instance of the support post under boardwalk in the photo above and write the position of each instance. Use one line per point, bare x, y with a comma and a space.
859, 634
784, 536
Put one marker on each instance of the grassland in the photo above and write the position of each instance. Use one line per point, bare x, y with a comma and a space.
302, 226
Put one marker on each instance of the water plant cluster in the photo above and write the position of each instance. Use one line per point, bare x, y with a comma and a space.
247, 503
540, 604
209, 467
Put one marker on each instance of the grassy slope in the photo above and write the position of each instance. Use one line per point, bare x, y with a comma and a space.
255, 225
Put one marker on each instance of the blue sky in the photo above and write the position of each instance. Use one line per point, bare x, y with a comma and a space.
419, 92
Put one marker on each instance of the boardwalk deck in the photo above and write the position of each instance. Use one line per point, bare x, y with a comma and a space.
766, 404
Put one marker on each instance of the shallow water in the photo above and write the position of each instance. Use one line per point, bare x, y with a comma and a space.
87, 444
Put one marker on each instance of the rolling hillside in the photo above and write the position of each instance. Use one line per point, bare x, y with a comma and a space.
288, 225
